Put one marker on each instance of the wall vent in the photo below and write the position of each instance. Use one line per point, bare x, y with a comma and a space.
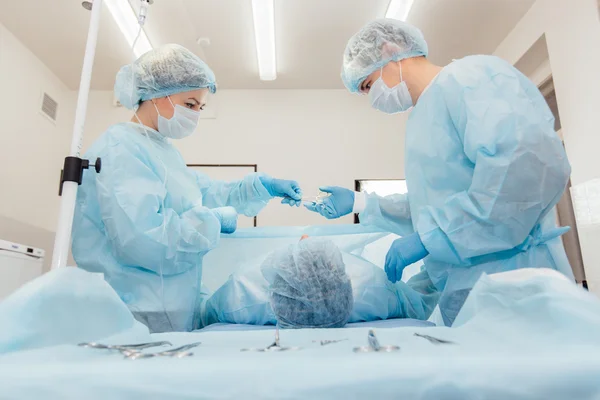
49, 107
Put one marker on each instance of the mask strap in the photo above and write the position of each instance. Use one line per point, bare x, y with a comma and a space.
156, 108
169, 97
400, 63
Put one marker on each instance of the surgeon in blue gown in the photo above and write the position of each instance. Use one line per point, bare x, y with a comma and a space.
484, 167
147, 220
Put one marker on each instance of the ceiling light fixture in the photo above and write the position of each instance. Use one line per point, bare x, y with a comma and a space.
264, 33
399, 9
127, 20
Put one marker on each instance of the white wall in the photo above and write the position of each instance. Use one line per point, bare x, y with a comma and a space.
572, 30
32, 148
317, 137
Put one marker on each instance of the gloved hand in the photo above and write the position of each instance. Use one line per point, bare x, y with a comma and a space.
404, 251
289, 190
227, 217
340, 203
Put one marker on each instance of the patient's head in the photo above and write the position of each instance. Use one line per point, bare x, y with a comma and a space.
309, 285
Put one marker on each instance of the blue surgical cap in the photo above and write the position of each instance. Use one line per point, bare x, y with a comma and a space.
375, 45
309, 285
161, 72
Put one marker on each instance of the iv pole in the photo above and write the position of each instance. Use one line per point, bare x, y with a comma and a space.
73, 168
72, 173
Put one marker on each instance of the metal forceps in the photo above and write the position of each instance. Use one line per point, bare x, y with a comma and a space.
178, 352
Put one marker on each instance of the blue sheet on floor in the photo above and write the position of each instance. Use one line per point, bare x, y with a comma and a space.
534, 337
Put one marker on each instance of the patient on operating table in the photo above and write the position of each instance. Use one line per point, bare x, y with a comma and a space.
311, 284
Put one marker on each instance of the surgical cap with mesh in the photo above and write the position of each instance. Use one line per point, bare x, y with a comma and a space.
375, 45
309, 285
161, 72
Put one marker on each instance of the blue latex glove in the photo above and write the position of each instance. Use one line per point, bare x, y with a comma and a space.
227, 217
340, 203
289, 190
404, 251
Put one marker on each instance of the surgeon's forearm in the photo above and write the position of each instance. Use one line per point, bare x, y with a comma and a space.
248, 196
391, 213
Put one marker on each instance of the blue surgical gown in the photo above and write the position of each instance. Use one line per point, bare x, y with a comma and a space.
145, 223
484, 170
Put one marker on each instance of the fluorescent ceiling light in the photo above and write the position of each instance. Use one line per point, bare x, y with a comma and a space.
264, 33
127, 21
399, 9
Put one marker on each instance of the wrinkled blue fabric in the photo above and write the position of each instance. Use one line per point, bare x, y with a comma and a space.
532, 296
227, 218
161, 72
146, 222
65, 306
484, 169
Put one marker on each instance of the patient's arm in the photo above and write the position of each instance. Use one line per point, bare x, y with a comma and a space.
417, 297
375, 297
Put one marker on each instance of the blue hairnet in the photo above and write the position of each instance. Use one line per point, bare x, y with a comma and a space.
375, 45
309, 285
161, 72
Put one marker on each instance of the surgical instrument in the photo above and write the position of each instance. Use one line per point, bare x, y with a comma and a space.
178, 352
275, 346
374, 345
318, 199
433, 339
124, 347
326, 342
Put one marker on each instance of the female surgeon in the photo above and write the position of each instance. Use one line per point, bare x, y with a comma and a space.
147, 220
484, 166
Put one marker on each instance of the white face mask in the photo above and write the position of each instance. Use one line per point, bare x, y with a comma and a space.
182, 124
390, 100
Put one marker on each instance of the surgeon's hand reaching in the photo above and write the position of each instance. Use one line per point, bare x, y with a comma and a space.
289, 190
404, 251
340, 203
227, 217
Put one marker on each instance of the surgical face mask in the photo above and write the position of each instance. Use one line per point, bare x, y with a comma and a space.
390, 100
182, 124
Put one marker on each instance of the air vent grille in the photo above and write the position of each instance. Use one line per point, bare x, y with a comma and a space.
49, 107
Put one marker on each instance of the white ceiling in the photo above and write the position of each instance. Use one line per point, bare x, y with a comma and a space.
310, 35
